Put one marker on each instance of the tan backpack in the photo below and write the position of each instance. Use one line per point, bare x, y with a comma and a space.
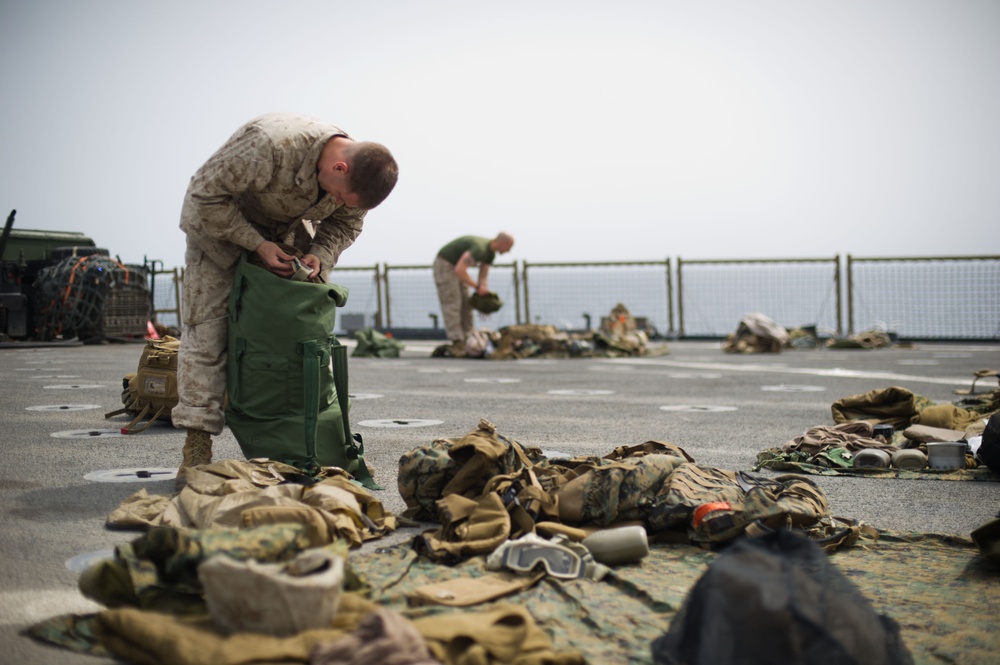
153, 388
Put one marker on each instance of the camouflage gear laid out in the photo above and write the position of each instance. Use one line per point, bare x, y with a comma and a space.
428, 473
894, 406
869, 339
852, 436
618, 337
833, 462
544, 341
485, 488
830, 450
756, 333
942, 591
237, 494
615, 621
159, 570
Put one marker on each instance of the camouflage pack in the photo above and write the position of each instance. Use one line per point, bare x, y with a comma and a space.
152, 389
458, 466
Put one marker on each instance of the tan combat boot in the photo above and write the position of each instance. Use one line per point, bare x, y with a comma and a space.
197, 451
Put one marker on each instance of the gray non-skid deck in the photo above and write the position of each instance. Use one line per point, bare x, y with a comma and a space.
721, 408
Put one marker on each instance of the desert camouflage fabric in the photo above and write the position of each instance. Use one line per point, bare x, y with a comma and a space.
545, 341
756, 333
244, 494
260, 185
618, 337
868, 339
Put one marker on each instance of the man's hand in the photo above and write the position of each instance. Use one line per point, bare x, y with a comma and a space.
311, 261
276, 260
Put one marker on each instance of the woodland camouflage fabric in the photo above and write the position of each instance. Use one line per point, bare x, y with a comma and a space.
943, 593
819, 465
923, 581
830, 450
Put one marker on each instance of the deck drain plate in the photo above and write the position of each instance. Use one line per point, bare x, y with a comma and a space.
581, 391
143, 474
88, 434
400, 422
693, 375
440, 370
793, 389
63, 407
917, 361
74, 386
697, 408
361, 396
81, 562
492, 379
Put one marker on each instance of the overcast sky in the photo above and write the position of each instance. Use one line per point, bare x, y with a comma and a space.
623, 130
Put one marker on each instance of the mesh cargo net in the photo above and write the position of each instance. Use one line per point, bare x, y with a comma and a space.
93, 298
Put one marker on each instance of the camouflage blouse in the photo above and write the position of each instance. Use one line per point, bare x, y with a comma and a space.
261, 185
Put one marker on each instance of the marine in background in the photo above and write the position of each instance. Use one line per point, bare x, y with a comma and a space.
451, 275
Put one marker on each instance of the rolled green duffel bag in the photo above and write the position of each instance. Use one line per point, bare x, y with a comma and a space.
287, 382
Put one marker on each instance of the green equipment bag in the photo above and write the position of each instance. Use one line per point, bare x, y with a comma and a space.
287, 383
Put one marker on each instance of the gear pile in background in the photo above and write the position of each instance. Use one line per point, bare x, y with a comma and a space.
92, 298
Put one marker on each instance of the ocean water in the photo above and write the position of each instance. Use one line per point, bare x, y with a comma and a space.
956, 298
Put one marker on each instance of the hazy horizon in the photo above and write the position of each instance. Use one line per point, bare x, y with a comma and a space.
590, 131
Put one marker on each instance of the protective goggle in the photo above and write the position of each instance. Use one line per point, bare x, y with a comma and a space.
558, 561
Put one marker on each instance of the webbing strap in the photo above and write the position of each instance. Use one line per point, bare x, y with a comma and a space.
310, 392
156, 416
234, 381
354, 445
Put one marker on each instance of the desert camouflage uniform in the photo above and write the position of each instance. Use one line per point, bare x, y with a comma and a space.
261, 185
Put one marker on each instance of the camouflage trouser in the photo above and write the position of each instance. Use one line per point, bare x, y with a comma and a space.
454, 299
201, 361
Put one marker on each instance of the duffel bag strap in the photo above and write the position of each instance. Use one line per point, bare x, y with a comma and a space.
310, 393
354, 445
